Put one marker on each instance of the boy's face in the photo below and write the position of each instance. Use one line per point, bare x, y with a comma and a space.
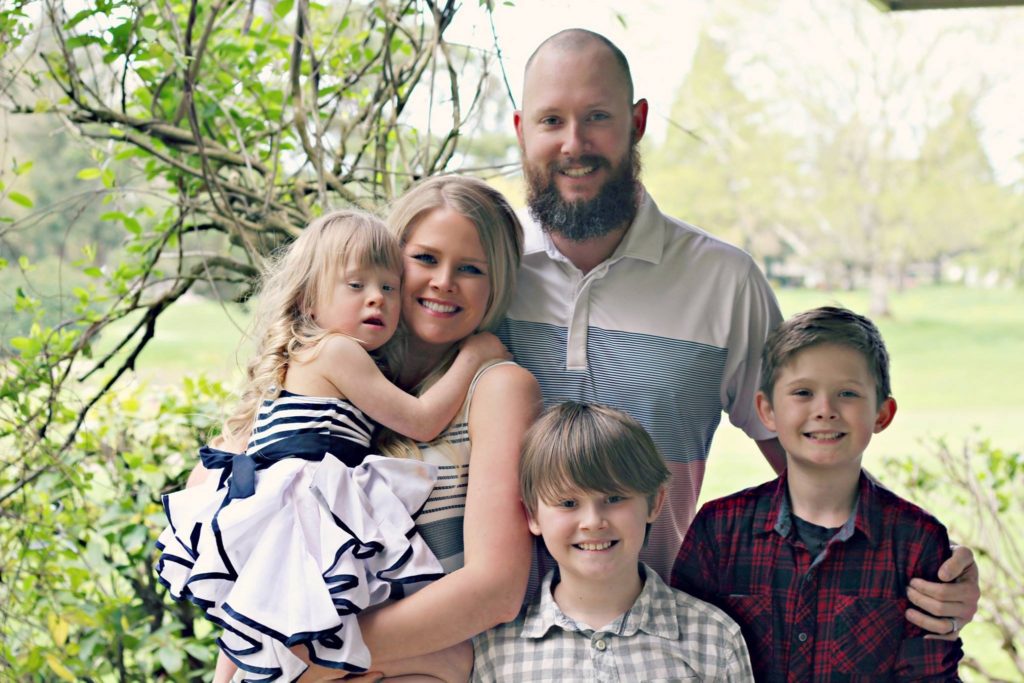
824, 407
595, 536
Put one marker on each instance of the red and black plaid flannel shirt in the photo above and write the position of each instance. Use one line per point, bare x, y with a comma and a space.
837, 617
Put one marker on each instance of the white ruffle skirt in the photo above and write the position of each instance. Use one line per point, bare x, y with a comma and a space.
292, 565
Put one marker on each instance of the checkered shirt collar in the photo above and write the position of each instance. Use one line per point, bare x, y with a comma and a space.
650, 613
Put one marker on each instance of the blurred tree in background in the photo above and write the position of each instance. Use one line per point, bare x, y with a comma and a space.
214, 132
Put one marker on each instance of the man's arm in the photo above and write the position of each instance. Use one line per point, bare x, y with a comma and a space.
957, 599
774, 453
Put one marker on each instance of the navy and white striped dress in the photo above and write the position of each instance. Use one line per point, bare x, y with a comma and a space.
297, 536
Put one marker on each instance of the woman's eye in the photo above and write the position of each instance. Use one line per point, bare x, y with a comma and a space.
472, 270
424, 258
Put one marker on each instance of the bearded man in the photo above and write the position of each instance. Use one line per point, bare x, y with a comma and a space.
622, 305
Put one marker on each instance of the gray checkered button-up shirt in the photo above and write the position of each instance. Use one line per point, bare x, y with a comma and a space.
666, 635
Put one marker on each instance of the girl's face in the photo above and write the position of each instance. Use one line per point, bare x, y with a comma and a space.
446, 287
363, 303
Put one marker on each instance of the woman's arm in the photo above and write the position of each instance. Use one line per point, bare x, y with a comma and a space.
351, 370
489, 588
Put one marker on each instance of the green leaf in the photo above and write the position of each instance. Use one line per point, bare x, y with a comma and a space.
89, 174
62, 671
170, 658
22, 169
82, 41
19, 198
26, 345
282, 8
79, 18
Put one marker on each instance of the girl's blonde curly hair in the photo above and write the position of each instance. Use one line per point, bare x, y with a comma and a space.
297, 279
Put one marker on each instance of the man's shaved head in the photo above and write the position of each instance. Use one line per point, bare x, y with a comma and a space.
578, 39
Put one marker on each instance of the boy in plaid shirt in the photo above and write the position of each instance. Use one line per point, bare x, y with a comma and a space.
815, 564
592, 482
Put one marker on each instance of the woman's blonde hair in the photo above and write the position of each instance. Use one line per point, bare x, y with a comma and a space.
297, 279
501, 236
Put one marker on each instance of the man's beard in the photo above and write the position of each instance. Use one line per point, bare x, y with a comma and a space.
614, 206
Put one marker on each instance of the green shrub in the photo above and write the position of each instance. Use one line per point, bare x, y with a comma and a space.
79, 594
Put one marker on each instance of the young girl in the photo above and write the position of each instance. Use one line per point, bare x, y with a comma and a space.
305, 530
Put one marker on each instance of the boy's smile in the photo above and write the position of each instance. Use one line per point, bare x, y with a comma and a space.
824, 407
595, 537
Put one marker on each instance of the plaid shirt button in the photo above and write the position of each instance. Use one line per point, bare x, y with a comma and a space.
802, 637
600, 644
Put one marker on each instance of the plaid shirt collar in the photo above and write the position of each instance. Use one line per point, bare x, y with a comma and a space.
652, 612
775, 514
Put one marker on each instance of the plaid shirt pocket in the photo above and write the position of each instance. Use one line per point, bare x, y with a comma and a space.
867, 633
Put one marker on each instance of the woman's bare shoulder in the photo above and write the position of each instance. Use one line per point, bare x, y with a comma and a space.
506, 389
507, 377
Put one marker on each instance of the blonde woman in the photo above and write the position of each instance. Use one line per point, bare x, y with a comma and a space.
307, 529
461, 244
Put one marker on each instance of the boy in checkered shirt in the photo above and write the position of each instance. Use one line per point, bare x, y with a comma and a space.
815, 564
592, 482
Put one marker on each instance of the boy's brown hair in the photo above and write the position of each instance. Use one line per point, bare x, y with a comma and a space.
826, 325
587, 447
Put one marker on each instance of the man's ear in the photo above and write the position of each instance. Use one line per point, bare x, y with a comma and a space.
517, 121
765, 410
886, 412
659, 501
530, 521
640, 110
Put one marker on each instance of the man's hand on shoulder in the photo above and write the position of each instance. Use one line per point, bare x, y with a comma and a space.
953, 600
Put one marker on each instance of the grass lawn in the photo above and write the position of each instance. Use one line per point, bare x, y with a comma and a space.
955, 355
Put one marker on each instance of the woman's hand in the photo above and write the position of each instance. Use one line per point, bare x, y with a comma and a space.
484, 347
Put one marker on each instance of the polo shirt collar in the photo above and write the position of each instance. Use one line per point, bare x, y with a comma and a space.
652, 612
645, 239
774, 513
